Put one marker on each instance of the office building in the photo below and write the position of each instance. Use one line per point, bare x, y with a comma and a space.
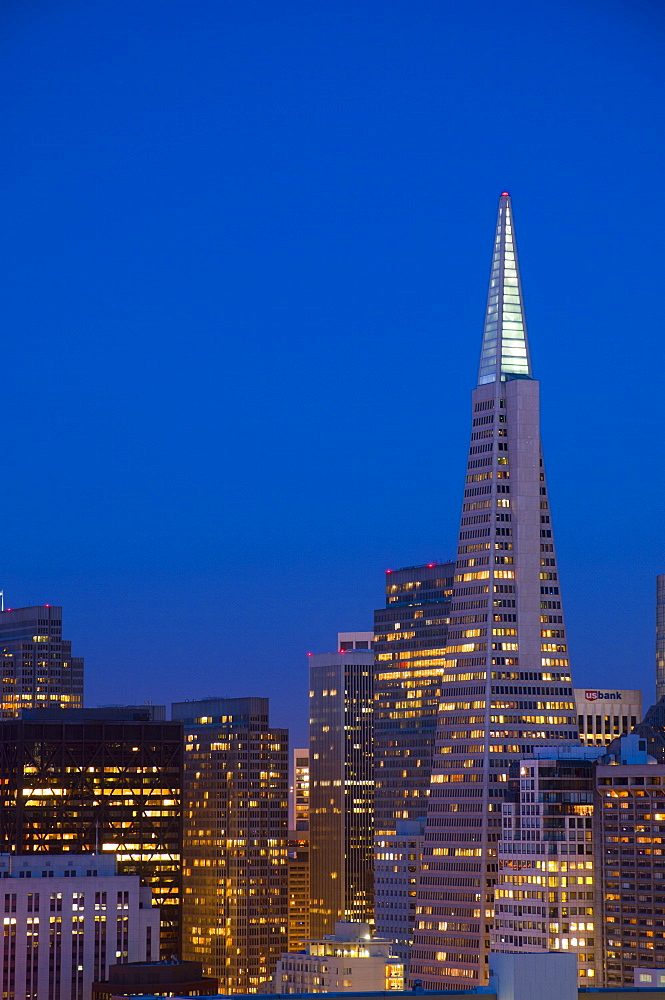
350, 959
409, 646
603, 715
652, 728
298, 853
629, 823
299, 798
297, 867
66, 920
507, 684
341, 789
354, 640
397, 860
660, 637
81, 780
38, 669
544, 895
235, 905
132, 979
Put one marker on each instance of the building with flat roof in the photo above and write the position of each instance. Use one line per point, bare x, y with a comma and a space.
38, 669
159, 978
236, 783
78, 780
629, 823
410, 640
544, 898
67, 919
604, 714
397, 860
350, 959
341, 789
506, 685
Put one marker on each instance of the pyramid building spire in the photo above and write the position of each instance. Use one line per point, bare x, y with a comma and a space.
505, 350
506, 686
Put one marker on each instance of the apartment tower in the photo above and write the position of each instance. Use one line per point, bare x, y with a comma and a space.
507, 684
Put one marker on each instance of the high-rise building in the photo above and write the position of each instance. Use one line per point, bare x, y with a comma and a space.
38, 669
299, 798
604, 715
80, 780
629, 823
544, 895
236, 783
341, 789
67, 920
350, 959
507, 684
660, 637
409, 645
298, 853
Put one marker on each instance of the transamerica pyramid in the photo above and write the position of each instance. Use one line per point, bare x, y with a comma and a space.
507, 683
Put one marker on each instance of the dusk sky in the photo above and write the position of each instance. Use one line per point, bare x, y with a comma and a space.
245, 253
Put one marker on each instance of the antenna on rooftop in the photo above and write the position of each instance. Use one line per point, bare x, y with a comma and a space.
2, 600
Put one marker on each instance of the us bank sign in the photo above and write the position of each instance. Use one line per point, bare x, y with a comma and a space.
603, 695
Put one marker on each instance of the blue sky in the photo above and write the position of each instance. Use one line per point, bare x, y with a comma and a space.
245, 250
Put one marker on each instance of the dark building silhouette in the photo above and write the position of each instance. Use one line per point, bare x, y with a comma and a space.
82, 780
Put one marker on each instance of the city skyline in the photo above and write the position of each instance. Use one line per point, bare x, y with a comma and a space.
241, 303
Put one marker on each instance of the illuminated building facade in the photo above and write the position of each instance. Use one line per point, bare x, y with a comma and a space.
299, 802
397, 860
235, 903
660, 637
298, 853
75, 780
604, 715
507, 684
629, 826
409, 646
67, 919
350, 959
341, 789
38, 669
544, 895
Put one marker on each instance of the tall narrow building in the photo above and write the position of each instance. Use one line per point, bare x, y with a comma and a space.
341, 802
507, 684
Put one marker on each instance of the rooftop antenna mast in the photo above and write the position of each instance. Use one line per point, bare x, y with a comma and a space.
2, 600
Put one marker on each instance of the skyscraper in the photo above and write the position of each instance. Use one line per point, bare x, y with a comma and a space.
507, 684
409, 644
234, 840
341, 820
109, 779
660, 637
38, 669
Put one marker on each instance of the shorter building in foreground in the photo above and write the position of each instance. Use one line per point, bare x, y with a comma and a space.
159, 978
67, 919
397, 859
350, 959
605, 714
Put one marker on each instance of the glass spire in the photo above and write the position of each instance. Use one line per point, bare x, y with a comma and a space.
505, 350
